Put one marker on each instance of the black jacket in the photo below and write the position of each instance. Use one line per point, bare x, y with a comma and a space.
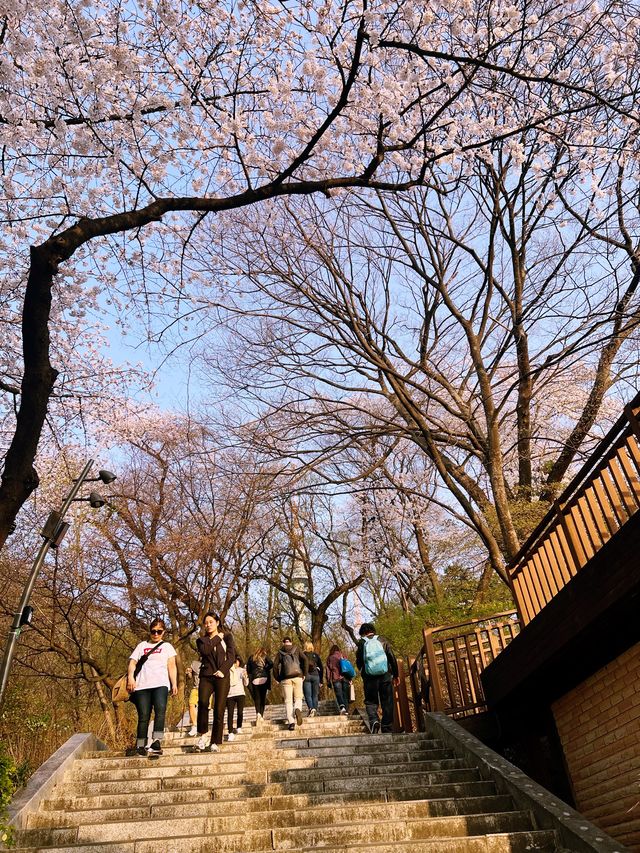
314, 661
290, 664
391, 658
214, 657
259, 670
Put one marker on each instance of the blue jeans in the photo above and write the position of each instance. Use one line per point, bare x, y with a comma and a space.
342, 689
145, 700
311, 688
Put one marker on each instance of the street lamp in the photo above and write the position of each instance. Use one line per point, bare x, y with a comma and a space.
53, 533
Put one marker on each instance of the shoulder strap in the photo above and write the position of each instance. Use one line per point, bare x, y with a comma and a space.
145, 658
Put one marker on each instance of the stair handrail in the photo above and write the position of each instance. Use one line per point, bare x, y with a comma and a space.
595, 504
467, 669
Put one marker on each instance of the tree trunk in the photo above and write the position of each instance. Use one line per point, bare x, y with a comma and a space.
19, 477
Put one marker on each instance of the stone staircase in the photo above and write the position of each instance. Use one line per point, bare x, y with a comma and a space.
329, 784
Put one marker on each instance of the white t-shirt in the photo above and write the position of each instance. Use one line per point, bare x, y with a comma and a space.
154, 672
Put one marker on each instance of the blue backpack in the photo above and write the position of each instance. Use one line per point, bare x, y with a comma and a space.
375, 657
346, 669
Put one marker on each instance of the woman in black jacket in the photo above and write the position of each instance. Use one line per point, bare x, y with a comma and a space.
259, 668
218, 652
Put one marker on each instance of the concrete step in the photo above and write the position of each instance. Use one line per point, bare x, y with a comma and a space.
279, 833
341, 771
391, 790
329, 784
201, 776
278, 770
512, 842
254, 811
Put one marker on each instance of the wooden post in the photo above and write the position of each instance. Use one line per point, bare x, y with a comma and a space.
437, 702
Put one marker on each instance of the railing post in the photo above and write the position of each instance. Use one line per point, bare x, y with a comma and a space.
568, 534
403, 699
416, 693
434, 676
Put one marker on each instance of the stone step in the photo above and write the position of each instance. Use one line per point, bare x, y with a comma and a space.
245, 842
521, 842
392, 790
277, 769
254, 811
343, 771
304, 741
283, 836
329, 784
258, 781
280, 758
243, 804
384, 750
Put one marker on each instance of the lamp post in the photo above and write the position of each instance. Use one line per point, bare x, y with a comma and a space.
53, 533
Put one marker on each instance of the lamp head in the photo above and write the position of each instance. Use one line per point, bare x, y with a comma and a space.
106, 476
96, 500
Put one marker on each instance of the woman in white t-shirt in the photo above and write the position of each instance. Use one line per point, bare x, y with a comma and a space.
150, 683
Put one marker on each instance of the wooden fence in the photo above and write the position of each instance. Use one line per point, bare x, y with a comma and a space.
595, 505
446, 674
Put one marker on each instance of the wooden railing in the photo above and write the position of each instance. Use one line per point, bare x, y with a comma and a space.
595, 505
402, 718
446, 674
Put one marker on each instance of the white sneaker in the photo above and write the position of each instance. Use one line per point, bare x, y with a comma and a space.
193, 731
231, 736
202, 743
214, 747
312, 712
239, 732
344, 712
259, 717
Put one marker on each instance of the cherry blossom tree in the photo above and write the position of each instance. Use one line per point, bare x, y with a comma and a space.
123, 126
478, 319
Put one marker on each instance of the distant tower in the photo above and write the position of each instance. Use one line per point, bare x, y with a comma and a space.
300, 585
299, 577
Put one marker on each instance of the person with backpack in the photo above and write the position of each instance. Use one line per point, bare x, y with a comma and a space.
290, 669
313, 679
340, 671
259, 668
379, 669
151, 674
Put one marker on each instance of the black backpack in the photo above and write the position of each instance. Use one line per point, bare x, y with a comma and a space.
290, 665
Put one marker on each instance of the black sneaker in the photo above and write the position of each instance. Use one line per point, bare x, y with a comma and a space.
155, 748
298, 714
141, 750
291, 727
375, 727
131, 751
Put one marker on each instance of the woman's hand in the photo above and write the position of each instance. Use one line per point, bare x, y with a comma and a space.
174, 690
131, 685
218, 674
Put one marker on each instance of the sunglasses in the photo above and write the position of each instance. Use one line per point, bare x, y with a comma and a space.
157, 631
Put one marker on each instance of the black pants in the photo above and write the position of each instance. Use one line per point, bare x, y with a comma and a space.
259, 693
219, 687
235, 702
378, 690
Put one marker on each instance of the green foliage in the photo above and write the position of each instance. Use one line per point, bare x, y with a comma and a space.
526, 514
462, 600
12, 777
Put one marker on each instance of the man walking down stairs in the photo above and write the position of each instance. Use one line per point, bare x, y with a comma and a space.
329, 784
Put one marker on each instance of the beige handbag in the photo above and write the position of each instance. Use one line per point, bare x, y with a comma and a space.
119, 692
